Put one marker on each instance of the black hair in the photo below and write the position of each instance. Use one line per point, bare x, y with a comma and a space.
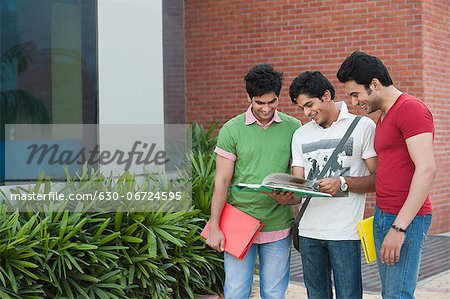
263, 79
313, 84
362, 68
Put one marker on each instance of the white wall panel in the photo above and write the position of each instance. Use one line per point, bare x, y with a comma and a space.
130, 57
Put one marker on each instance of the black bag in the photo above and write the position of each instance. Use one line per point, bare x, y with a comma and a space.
295, 236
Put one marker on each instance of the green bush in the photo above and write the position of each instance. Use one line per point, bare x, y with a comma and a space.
204, 141
58, 254
203, 166
48, 253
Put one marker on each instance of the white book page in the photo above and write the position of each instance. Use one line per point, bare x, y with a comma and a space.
252, 186
287, 180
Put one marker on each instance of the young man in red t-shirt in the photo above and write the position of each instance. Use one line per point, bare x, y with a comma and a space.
405, 173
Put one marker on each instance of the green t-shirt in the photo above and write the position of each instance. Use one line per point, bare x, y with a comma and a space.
259, 153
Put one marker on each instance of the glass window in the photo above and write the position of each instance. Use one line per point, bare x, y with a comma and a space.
48, 73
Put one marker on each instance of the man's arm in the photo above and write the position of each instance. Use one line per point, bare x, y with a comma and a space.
362, 184
224, 174
420, 148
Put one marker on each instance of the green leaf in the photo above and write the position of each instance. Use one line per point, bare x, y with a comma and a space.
107, 254
162, 249
131, 239
73, 261
66, 287
102, 228
25, 271
168, 237
63, 225
26, 226
83, 246
109, 238
186, 273
3, 295
24, 264
2, 278
109, 286
12, 278
11, 245
131, 229
136, 259
78, 288
143, 270
108, 275
102, 294
131, 272
75, 229
84, 277
127, 256
118, 219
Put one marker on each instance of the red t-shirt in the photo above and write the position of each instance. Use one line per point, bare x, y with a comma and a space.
408, 117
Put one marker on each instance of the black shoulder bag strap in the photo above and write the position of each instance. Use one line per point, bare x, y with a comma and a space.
337, 150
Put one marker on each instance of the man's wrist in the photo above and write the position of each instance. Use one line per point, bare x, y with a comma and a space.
398, 229
214, 222
343, 184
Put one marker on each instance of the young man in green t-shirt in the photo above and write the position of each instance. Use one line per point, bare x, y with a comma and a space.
251, 146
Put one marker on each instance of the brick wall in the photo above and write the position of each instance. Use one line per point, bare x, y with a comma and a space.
436, 81
224, 39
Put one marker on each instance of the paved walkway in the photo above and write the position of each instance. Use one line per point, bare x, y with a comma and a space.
435, 260
435, 287
434, 277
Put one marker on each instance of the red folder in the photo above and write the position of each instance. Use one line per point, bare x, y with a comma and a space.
239, 230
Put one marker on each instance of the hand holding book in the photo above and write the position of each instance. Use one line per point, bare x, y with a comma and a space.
284, 198
329, 185
215, 239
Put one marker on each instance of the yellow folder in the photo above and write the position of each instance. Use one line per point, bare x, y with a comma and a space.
365, 229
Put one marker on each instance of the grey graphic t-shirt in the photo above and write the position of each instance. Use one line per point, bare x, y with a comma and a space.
334, 218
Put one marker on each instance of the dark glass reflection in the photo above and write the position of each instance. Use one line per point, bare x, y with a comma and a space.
48, 64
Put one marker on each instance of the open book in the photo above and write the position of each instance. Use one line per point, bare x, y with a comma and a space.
287, 183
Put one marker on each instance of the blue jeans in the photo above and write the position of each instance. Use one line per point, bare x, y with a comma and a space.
274, 264
320, 257
399, 281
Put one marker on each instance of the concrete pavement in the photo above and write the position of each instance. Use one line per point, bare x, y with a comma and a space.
435, 287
